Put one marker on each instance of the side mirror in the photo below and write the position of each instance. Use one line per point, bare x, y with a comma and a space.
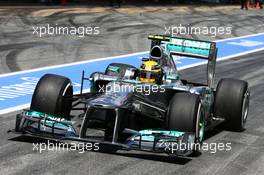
144, 59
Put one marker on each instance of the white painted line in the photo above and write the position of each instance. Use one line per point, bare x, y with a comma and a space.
222, 58
240, 54
71, 64
239, 37
192, 65
25, 106
15, 108
106, 58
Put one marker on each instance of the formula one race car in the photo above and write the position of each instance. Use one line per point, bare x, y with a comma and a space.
149, 108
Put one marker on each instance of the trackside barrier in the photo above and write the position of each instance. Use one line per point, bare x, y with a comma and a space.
253, 4
63, 2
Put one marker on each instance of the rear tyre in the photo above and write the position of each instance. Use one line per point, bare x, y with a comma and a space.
185, 115
232, 103
50, 96
117, 69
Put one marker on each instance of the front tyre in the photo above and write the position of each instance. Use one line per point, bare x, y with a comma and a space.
232, 103
53, 95
185, 115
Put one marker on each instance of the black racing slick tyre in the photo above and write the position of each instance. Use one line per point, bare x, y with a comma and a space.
117, 69
232, 103
52, 95
185, 115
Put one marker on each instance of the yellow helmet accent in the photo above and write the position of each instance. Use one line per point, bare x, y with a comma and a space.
150, 72
150, 66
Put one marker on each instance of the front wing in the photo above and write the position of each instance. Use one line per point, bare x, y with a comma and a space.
56, 128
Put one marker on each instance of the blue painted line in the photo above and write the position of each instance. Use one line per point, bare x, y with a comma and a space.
16, 88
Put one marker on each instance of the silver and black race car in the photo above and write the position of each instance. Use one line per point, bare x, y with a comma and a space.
150, 108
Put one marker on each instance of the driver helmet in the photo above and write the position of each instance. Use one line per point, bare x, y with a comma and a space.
150, 72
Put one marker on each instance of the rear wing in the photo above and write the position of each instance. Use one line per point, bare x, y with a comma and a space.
185, 47
190, 48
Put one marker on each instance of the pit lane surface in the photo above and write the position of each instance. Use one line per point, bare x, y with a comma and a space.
20, 50
122, 31
246, 157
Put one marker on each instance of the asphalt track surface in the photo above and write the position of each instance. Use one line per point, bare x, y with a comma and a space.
122, 31
17, 155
